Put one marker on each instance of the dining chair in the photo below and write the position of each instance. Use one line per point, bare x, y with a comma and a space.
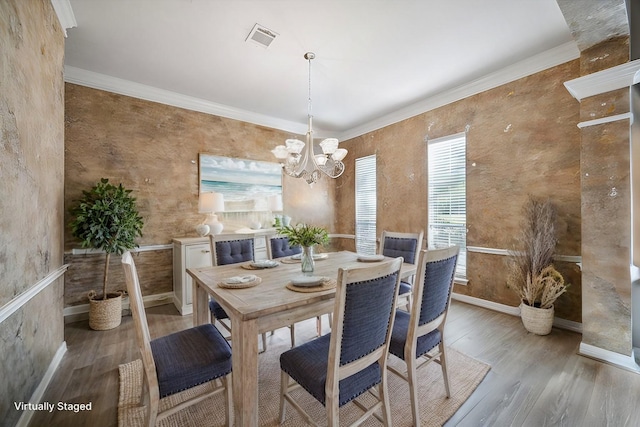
227, 250
407, 245
338, 367
419, 334
279, 247
179, 361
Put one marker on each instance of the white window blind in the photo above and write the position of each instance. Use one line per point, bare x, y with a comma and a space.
366, 205
447, 196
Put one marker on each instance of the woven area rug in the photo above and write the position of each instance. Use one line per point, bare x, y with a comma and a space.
465, 374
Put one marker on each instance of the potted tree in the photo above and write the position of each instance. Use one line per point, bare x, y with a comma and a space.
532, 275
306, 236
106, 219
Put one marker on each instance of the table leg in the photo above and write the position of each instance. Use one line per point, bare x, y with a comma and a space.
244, 339
200, 301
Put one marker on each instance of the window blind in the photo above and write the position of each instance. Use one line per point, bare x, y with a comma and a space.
447, 196
366, 205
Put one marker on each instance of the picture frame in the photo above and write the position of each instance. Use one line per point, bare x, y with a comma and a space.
246, 184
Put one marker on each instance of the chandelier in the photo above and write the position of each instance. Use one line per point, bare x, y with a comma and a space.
299, 159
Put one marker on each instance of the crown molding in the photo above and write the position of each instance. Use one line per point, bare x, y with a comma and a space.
535, 64
95, 80
65, 14
613, 78
527, 67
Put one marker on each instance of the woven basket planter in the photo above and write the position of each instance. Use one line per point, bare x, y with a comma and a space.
105, 314
537, 320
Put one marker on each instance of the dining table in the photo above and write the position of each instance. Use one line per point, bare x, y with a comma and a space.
269, 305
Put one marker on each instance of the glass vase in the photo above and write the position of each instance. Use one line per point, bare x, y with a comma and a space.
306, 260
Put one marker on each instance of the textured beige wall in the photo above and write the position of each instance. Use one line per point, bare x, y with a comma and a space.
31, 194
153, 150
522, 139
606, 208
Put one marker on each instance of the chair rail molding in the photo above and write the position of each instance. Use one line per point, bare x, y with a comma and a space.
613, 78
505, 252
21, 299
134, 250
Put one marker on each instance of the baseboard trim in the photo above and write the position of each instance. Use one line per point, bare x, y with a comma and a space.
37, 395
514, 311
609, 357
76, 313
502, 308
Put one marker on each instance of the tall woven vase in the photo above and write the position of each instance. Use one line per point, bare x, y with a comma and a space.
537, 320
105, 314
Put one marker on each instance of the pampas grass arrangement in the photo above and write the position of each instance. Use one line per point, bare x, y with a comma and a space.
532, 274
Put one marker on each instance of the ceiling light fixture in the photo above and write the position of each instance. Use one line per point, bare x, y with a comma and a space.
307, 164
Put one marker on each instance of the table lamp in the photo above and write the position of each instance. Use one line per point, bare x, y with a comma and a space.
209, 203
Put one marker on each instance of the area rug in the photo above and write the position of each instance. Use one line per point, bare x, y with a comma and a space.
465, 373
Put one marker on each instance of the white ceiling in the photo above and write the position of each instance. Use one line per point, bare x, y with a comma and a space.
377, 61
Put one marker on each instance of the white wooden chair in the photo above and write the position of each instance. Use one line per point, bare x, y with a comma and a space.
337, 368
419, 335
178, 361
407, 245
230, 250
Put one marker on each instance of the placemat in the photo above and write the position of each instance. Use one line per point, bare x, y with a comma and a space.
249, 266
255, 282
327, 284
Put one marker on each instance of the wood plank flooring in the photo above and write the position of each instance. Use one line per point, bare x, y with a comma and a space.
533, 381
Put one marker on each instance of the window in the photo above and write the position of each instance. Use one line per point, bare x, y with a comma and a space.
447, 204
366, 205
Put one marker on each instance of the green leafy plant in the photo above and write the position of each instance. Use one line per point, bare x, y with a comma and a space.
531, 274
304, 234
106, 218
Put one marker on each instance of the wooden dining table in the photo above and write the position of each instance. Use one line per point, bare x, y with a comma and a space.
265, 307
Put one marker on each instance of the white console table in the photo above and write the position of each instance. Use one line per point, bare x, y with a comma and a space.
194, 252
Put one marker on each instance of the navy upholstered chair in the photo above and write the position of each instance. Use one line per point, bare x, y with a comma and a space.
418, 336
230, 250
278, 247
338, 367
179, 361
406, 245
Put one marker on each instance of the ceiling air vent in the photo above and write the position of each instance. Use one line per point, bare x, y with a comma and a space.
261, 36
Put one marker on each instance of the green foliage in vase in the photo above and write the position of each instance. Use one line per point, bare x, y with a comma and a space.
106, 218
304, 234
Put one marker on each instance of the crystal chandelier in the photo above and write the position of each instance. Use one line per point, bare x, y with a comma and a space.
299, 159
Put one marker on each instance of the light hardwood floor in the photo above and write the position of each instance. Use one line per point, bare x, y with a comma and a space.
533, 381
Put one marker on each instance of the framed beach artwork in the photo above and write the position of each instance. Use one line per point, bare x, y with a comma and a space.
245, 184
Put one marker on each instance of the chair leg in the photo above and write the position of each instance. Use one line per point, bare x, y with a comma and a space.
412, 379
264, 342
333, 417
384, 398
228, 400
443, 364
284, 383
319, 326
292, 328
153, 403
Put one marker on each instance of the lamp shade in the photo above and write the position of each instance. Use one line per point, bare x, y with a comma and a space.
275, 203
211, 202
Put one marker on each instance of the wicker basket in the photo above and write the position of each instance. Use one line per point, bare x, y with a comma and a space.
537, 320
105, 314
